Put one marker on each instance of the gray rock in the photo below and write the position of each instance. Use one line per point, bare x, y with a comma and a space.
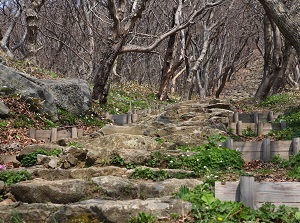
4, 110
67, 161
45, 96
78, 153
47, 161
135, 148
76, 173
42, 191
116, 187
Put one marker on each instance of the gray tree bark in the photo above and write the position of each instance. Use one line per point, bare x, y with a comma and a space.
287, 20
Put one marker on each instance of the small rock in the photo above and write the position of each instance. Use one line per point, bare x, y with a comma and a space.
47, 161
4, 110
16, 164
67, 161
62, 142
78, 153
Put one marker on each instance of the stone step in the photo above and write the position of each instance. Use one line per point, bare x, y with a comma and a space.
105, 187
93, 210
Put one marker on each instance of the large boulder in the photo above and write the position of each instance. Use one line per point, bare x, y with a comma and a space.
72, 95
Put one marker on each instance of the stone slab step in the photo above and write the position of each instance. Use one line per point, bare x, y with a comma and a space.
106, 187
94, 210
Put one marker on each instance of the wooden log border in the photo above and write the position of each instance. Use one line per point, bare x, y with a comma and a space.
127, 119
253, 194
254, 117
265, 149
54, 134
259, 128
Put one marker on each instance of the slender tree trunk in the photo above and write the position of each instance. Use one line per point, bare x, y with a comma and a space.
168, 62
5, 38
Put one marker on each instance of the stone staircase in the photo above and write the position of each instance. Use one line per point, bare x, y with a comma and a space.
85, 186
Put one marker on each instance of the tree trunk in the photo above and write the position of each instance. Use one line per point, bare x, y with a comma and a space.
272, 60
5, 38
287, 20
168, 62
32, 19
104, 70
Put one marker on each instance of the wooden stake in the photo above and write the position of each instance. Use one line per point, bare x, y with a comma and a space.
247, 191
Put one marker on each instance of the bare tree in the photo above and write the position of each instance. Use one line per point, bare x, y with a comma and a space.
287, 19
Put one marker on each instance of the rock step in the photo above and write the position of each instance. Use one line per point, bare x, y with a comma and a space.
94, 210
87, 173
105, 187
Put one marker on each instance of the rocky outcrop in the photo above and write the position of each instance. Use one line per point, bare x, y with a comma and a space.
72, 95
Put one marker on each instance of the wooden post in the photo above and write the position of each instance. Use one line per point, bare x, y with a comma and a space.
129, 114
134, 116
266, 147
255, 117
74, 134
239, 128
247, 191
296, 145
271, 116
259, 128
229, 143
32, 133
236, 117
283, 124
53, 135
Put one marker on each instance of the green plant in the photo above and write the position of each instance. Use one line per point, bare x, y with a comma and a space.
149, 174
15, 216
22, 121
118, 161
143, 218
65, 117
277, 159
206, 156
30, 159
206, 208
75, 144
276, 99
92, 120
249, 132
3, 125
12, 177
